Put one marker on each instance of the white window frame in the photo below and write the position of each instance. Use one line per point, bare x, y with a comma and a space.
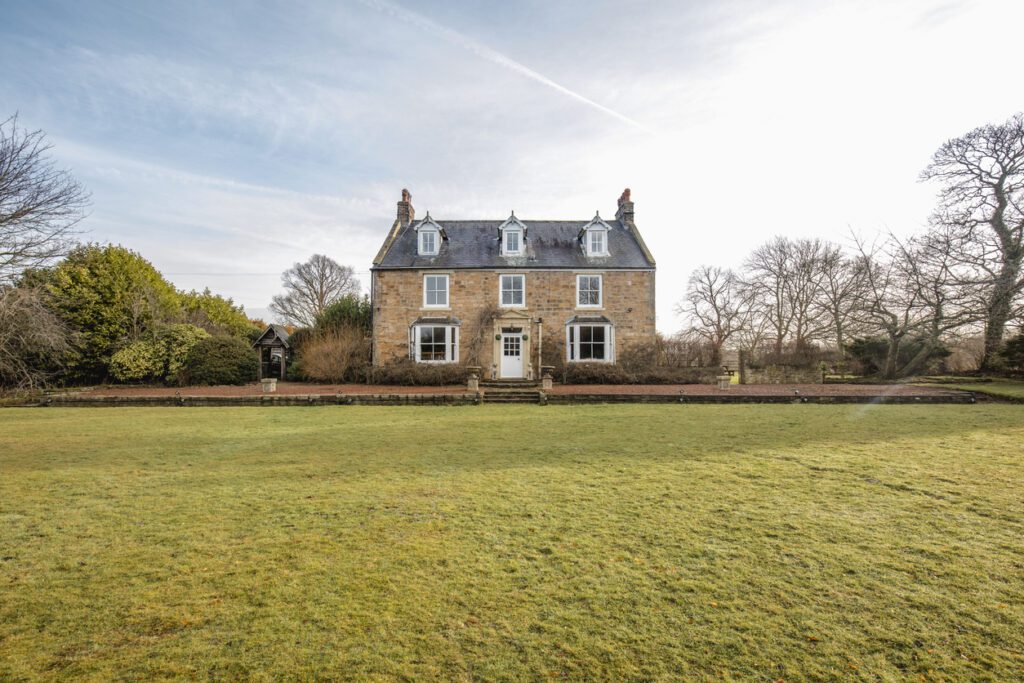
447, 291
572, 343
501, 290
451, 343
591, 234
600, 290
508, 232
425, 232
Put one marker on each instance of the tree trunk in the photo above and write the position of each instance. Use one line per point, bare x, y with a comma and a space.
999, 306
915, 363
891, 357
716, 353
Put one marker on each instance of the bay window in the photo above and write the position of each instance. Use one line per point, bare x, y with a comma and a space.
434, 343
589, 341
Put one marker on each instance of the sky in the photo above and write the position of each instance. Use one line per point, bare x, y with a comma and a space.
226, 141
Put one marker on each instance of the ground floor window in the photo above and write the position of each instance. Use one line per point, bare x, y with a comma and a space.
588, 342
434, 343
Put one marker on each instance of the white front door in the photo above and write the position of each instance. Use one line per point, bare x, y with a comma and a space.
511, 356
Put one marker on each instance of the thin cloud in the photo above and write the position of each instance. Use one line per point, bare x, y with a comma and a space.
492, 55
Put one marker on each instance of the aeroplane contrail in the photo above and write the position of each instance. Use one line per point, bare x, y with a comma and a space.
492, 55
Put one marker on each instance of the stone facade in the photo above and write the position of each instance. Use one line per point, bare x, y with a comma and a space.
627, 298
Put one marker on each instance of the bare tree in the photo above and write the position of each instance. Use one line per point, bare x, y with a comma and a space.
714, 305
33, 340
765, 284
310, 287
810, 319
40, 204
981, 175
912, 292
839, 287
945, 300
782, 281
887, 305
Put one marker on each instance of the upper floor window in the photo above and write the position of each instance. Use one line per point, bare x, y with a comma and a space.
588, 291
597, 238
435, 291
513, 290
428, 242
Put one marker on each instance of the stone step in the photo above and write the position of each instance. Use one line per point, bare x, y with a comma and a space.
510, 392
511, 396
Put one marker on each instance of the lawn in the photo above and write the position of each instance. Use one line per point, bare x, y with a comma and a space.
1010, 390
630, 542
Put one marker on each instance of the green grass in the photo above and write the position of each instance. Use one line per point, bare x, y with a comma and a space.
1011, 390
863, 543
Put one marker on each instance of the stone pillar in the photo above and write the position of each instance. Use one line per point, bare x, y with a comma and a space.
473, 381
546, 377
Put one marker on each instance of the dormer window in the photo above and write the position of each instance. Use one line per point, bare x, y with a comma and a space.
594, 237
428, 243
428, 236
512, 242
512, 236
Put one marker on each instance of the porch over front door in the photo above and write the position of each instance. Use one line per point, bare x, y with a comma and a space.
512, 355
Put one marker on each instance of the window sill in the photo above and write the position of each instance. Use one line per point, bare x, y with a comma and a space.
436, 308
590, 308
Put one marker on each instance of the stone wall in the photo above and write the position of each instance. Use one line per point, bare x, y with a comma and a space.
781, 374
628, 301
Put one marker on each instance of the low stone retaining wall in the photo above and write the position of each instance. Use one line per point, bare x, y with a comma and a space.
71, 401
782, 374
76, 401
555, 399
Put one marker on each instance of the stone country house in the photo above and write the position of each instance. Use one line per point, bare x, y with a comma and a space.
510, 295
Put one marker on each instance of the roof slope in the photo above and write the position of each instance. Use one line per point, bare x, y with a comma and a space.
549, 244
272, 333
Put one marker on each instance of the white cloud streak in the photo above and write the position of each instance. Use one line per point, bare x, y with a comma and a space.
492, 55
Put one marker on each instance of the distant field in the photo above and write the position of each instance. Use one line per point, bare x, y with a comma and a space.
628, 542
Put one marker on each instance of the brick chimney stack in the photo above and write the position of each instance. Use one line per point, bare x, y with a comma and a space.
625, 210
406, 214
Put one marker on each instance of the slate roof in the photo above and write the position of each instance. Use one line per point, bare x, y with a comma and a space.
550, 244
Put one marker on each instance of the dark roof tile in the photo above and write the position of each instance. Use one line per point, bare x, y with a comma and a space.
550, 244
